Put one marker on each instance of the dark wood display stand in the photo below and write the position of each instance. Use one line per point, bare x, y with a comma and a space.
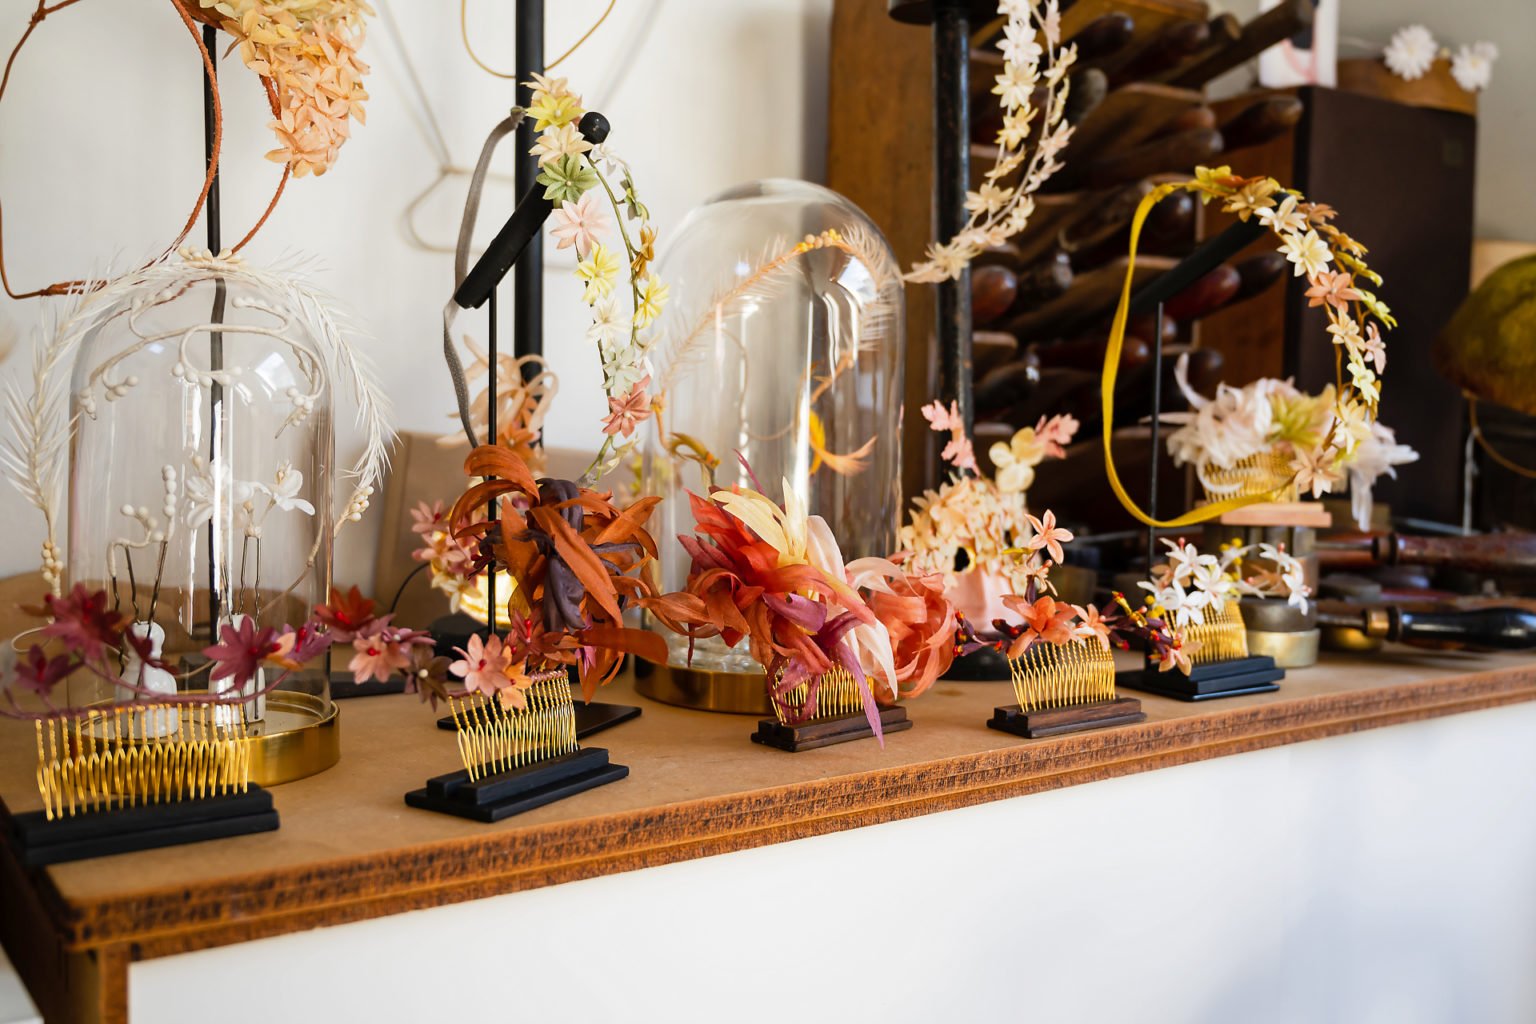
825, 732
1056, 721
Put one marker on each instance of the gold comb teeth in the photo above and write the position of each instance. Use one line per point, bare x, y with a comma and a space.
837, 694
1222, 637
1062, 675
148, 753
1252, 477
494, 738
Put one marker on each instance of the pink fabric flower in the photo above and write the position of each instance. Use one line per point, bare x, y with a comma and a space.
940, 418
579, 223
959, 453
628, 412
483, 666
377, 658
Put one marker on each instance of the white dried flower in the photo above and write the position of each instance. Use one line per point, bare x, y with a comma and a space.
1472, 66
1411, 52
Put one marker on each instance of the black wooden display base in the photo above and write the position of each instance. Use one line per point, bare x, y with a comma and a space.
1254, 674
986, 664
590, 718
499, 796
825, 732
146, 827
343, 686
1055, 721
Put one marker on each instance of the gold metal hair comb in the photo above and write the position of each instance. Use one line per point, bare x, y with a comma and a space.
833, 714
1257, 475
1064, 688
1222, 637
495, 738
145, 754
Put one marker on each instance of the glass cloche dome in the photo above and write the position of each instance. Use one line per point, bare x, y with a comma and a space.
783, 345
200, 478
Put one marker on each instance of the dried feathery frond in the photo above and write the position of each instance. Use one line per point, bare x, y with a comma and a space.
40, 427
768, 277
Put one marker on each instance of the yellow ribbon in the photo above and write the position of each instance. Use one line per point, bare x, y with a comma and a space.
1204, 513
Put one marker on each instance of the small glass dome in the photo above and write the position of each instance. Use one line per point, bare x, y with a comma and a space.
783, 345
200, 474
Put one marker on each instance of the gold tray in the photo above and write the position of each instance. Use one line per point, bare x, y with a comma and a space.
737, 693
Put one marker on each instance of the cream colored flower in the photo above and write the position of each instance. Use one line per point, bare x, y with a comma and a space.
558, 141
1286, 218
609, 330
1015, 461
1308, 252
1315, 471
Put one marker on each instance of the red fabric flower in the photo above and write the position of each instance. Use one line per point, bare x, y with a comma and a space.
240, 650
84, 623
39, 673
348, 615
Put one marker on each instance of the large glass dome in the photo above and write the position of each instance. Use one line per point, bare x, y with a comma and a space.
782, 350
200, 476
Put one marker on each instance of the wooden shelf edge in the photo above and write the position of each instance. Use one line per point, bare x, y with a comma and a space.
261, 905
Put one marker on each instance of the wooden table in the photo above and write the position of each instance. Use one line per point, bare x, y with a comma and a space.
349, 849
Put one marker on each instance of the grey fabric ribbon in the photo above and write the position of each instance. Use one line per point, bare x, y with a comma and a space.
461, 267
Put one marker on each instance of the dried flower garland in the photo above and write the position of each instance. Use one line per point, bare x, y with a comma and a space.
305, 53
1032, 91
571, 171
307, 50
1334, 266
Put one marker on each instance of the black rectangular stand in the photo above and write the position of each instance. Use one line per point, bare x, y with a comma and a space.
145, 827
1055, 721
499, 796
824, 732
343, 686
1213, 680
590, 718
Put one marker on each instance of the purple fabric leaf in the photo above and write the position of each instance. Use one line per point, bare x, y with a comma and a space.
802, 611
844, 656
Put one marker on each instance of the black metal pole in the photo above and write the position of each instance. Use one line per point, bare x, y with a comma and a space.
1157, 413
490, 429
215, 338
528, 275
951, 178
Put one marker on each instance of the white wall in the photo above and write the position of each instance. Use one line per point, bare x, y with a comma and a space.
1383, 876
101, 157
